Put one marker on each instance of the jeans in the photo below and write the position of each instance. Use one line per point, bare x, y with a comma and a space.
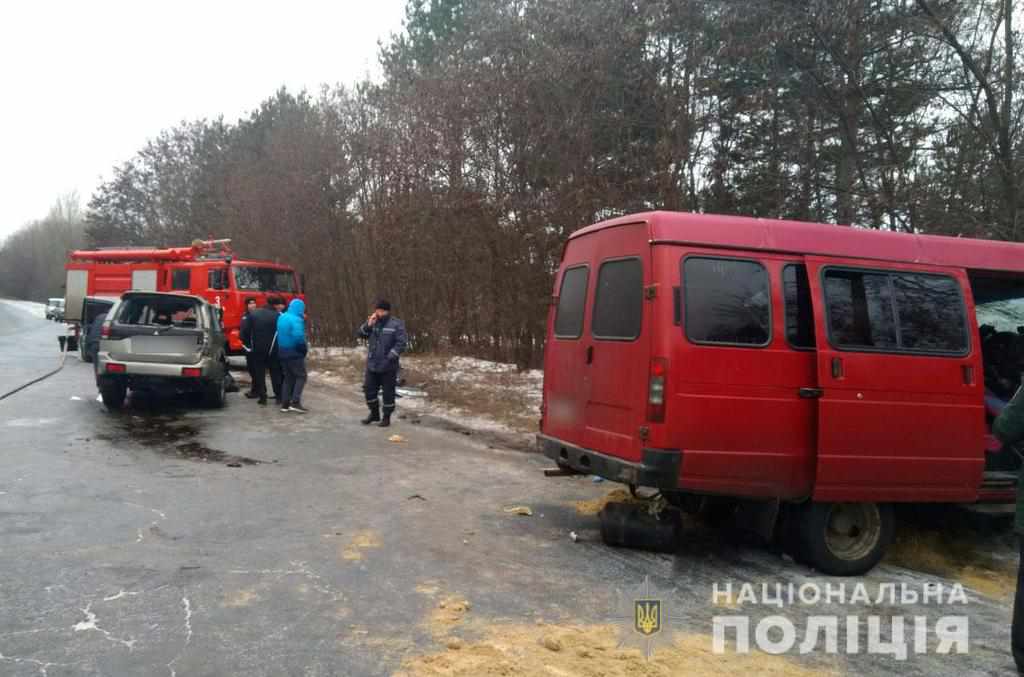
294, 380
373, 381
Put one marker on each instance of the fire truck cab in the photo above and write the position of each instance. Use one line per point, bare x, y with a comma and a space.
206, 268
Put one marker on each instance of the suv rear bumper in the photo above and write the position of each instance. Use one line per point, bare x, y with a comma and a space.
659, 468
207, 368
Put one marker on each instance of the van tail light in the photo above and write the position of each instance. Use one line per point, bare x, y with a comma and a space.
656, 382
113, 368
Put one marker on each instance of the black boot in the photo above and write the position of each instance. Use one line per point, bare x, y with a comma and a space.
387, 419
374, 415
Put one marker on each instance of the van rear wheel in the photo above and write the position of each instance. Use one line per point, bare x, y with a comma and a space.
843, 539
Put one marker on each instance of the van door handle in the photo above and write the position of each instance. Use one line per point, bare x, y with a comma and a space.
810, 393
590, 354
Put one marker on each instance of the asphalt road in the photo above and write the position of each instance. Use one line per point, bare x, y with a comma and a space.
130, 546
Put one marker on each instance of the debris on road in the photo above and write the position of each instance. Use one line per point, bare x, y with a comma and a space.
574, 536
519, 510
594, 506
361, 541
521, 650
397, 439
415, 496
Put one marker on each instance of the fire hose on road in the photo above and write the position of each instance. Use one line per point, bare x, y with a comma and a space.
60, 365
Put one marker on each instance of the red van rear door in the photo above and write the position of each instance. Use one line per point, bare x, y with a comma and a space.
901, 410
597, 358
618, 341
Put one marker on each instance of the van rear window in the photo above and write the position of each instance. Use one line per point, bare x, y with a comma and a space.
572, 298
726, 301
618, 306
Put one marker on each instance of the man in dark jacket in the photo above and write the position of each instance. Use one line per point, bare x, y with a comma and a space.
1009, 428
259, 335
244, 331
388, 341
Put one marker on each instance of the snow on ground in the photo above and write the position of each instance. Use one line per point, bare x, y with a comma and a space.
471, 392
37, 309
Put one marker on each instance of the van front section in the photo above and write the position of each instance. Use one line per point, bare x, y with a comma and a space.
604, 399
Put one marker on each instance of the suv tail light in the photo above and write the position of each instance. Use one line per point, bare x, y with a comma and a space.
656, 383
191, 372
105, 330
113, 368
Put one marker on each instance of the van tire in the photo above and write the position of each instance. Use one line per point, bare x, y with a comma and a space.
843, 539
113, 395
215, 393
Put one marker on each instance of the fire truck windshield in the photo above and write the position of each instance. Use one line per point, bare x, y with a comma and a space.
252, 278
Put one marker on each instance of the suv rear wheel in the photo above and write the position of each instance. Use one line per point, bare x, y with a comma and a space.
843, 539
215, 393
113, 394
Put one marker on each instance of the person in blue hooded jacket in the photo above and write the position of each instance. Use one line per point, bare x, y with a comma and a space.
291, 353
387, 341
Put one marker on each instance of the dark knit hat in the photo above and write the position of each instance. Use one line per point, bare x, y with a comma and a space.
383, 305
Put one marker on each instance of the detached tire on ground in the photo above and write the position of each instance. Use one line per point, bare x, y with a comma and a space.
843, 539
113, 395
215, 393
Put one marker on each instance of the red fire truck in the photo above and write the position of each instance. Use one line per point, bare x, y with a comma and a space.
206, 268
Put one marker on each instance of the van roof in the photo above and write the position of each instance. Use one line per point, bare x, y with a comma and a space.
798, 237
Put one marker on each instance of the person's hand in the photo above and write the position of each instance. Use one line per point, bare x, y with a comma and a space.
372, 319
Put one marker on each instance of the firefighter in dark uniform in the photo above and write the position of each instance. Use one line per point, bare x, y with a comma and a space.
1009, 428
387, 338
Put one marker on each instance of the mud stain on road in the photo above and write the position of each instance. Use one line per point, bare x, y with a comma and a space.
170, 435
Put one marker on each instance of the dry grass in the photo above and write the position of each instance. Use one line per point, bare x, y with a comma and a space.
498, 396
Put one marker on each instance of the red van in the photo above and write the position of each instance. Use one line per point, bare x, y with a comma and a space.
811, 374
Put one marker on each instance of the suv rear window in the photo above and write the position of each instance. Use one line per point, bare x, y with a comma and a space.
726, 301
619, 299
572, 298
159, 311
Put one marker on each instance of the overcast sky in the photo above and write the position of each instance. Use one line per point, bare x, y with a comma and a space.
86, 83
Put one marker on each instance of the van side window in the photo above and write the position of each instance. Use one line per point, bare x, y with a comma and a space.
860, 311
931, 313
799, 311
726, 301
180, 279
572, 298
619, 299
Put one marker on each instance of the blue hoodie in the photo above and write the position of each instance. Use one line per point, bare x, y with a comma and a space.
291, 331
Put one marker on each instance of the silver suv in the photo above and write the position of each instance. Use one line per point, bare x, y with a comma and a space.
162, 342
